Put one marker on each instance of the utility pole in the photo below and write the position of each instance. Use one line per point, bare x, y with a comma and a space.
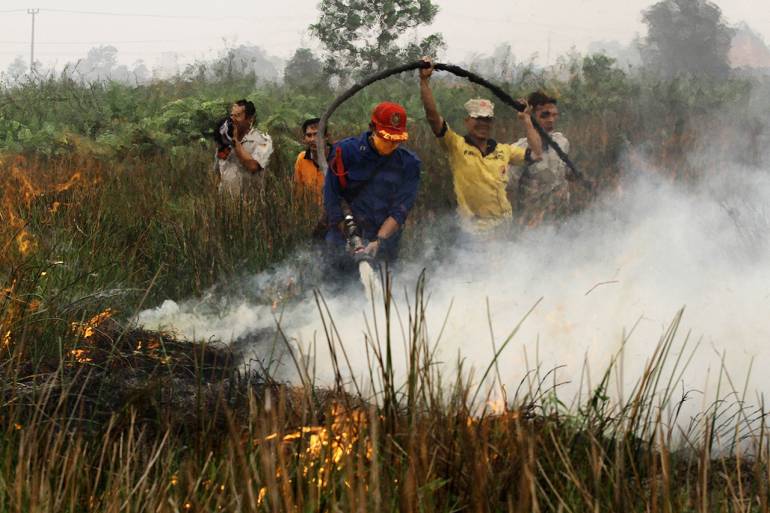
33, 12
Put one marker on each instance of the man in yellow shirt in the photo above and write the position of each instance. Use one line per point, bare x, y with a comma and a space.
479, 163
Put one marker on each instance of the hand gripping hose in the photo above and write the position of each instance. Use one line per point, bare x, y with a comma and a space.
455, 70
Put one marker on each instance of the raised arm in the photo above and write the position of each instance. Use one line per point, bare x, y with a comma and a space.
533, 138
428, 102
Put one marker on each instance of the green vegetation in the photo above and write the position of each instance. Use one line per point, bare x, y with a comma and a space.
360, 37
108, 202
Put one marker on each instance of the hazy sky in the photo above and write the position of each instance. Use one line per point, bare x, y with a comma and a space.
145, 29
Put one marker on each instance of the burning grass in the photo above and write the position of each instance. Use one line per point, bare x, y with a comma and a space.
98, 416
112, 370
21, 187
135, 420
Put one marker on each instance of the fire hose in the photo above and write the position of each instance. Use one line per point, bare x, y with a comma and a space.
460, 72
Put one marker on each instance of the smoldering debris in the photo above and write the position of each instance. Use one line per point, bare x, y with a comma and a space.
132, 375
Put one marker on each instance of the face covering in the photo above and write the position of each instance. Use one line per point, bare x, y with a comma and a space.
382, 146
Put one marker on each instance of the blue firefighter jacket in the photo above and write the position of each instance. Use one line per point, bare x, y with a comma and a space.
377, 186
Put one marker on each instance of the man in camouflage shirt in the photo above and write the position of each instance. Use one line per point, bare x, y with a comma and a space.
540, 189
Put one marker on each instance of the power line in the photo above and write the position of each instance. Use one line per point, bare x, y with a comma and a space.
157, 51
132, 15
165, 16
35, 45
459, 17
96, 42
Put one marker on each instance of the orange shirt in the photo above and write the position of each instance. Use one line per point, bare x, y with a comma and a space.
308, 176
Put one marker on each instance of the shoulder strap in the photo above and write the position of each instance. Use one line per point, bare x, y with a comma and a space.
338, 168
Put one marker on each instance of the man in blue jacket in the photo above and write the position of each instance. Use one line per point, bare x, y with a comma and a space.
374, 180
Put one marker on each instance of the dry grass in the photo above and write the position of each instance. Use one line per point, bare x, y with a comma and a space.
97, 416
135, 421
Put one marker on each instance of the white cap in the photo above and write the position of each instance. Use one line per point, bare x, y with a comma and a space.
480, 108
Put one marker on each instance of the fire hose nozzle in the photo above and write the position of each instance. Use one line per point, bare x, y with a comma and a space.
356, 246
362, 256
355, 243
349, 223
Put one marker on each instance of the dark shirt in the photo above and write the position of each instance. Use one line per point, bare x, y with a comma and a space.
378, 186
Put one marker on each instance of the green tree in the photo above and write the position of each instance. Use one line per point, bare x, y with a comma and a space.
304, 72
370, 35
686, 37
597, 86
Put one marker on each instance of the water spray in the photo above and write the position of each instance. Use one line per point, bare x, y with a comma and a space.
356, 246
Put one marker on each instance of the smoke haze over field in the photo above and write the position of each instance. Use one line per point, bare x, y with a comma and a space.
149, 31
632, 261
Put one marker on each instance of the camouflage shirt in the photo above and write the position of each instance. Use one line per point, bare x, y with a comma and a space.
541, 187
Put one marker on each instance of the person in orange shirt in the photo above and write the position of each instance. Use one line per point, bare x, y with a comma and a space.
308, 177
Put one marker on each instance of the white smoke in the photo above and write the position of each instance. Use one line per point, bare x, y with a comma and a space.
621, 270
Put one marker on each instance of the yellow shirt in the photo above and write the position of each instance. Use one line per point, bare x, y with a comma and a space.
480, 180
308, 177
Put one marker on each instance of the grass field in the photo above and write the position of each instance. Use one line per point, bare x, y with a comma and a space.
108, 206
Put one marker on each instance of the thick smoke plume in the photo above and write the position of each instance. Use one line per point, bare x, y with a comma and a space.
611, 278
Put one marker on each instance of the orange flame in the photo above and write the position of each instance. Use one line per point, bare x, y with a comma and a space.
87, 329
262, 495
15, 308
327, 447
25, 242
20, 187
81, 355
497, 406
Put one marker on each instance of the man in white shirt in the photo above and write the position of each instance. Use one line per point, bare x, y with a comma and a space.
242, 164
540, 189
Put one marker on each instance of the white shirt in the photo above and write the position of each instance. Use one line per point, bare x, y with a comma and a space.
549, 173
236, 179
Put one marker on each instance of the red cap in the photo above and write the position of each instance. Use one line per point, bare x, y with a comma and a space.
390, 121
